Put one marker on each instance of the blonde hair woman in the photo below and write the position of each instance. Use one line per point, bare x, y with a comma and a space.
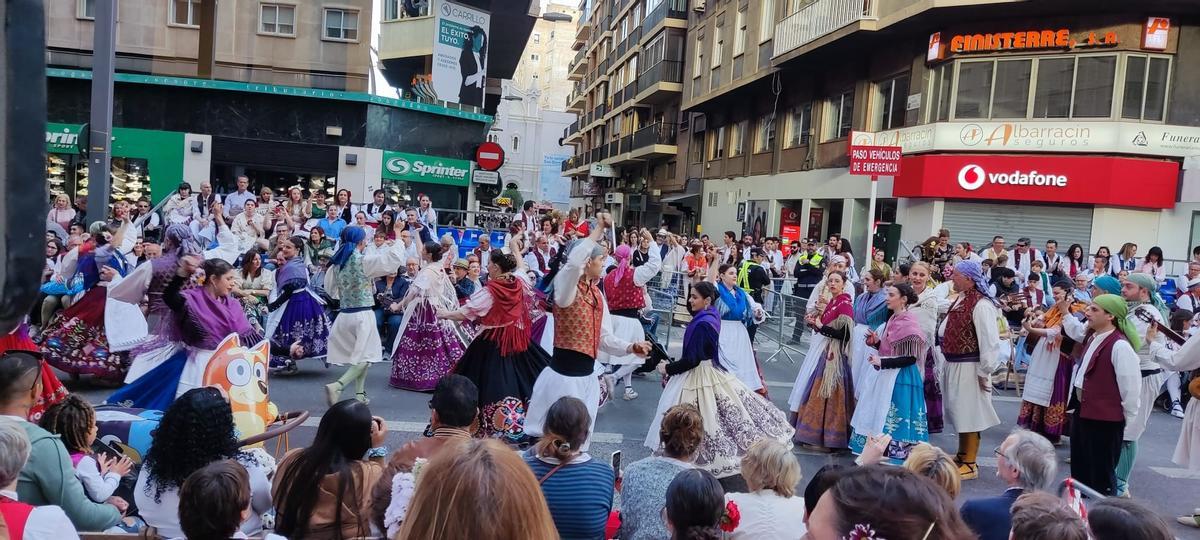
771, 509
480, 490
935, 464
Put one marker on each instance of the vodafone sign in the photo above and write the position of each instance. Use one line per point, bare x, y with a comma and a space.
1106, 181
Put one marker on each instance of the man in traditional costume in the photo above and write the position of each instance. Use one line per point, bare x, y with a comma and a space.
1141, 294
970, 342
582, 328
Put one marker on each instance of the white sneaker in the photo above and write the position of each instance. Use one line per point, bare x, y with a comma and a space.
630, 394
1176, 409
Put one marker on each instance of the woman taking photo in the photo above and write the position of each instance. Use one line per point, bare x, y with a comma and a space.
296, 208
822, 400
298, 326
324, 491
426, 348
737, 310
253, 284
194, 431
734, 416
892, 401
502, 360
578, 489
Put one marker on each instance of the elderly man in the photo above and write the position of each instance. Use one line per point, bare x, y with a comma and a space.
1189, 282
204, 226
970, 341
484, 252
1021, 258
1026, 462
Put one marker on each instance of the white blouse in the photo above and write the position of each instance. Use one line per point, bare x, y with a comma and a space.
766, 514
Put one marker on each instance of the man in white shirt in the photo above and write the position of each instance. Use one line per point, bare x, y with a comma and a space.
728, 252
1106, 391
1139, 292
774, 266
538, 259
203, 226
1055, 263
1021, 258
529, 217
1189, 298
236, 200
994, 251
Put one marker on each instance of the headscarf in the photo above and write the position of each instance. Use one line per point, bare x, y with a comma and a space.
974, 271
1107, 284
621, 254
1147, 281
177, 242
1115, 306
837, 259
350, 238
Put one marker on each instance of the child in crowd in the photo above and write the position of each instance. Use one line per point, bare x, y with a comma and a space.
74, 420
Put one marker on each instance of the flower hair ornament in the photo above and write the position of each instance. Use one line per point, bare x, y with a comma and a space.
731, 517
863, 531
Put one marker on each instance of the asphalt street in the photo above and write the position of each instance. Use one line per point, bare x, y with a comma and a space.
622, 425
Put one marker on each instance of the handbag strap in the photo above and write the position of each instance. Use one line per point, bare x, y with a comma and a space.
556, 468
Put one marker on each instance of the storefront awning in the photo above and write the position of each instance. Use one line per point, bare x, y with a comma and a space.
678, 197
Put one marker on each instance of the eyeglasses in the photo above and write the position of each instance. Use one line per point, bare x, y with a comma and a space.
999, 452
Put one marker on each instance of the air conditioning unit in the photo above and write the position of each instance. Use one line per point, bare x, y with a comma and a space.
614, 198
699, 6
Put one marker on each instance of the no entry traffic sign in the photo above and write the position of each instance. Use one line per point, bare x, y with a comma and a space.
875, 160
489, 156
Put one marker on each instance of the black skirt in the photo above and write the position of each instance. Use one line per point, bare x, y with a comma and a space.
505, 385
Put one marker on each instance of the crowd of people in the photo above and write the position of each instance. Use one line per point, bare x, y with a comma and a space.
522, 345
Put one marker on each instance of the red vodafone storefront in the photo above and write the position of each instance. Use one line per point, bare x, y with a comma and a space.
1039, 196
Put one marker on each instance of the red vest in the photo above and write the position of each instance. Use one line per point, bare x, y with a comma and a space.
577, 326
623, 294
15, 514
960, 336
1101, 398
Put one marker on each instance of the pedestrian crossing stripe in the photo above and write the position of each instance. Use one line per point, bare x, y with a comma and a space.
401, 426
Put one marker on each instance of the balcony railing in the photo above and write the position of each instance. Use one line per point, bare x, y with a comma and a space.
629, 42
603, 68
652, 134
599, 112
572, 162
674, 9
664, 71
818, 19
630, 90
617, 98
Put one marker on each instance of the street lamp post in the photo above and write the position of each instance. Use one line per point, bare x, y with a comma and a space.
100, 129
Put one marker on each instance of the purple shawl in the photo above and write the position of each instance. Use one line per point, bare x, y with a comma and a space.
705, 324
293, 270
209, 320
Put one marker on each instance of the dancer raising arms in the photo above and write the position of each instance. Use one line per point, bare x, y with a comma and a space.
426, 348
625, 290
582, 328
297, 326
822, 400
502, 360
354, 338
734, 416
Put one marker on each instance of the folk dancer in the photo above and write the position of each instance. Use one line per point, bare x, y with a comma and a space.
625, 291
582, 328
426, 348
354, 338
930, 305
822, 400
970, 342
1141, 294
297, 325
870, 312
738, 311
1048, 379
1187, 448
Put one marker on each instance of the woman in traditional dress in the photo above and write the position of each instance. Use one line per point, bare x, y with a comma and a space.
205, 315
502, 360
426, 348
930, 304
870, 312
893, 402
354, 338
734, 416
738, 310
298, 326
75, 340
822, 400
1048, 380
625, 291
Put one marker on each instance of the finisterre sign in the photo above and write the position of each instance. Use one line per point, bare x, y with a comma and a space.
1134, 138
1064, 179
1022, 40
429, 169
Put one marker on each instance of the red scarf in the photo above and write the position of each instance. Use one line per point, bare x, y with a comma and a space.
509, 319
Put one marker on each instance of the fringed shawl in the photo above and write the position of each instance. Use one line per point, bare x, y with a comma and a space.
903, 336
838, 315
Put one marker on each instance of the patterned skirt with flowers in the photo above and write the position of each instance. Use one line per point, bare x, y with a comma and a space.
426, 349
505, 385
1050, 421
302, 320
75, 342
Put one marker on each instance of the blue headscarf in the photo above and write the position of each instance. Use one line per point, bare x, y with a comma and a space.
974, 271
1107, 284
350, 238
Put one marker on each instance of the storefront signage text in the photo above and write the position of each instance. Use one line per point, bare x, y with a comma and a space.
62, 138
1024, 40
874, 160
1156, 33
418, 168
1036, 136
972, 177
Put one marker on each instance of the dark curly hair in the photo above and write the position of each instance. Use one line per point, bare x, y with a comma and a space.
197, 429
682, 429
72, 420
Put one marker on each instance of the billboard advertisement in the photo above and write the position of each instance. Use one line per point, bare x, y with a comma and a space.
460, 53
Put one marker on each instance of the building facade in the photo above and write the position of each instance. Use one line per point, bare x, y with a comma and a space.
629, 74
1071, 121
290, 102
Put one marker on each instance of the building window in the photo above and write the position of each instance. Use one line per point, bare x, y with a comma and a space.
1094, 81
888, 105
1145, 87
799, 123
341, 25
737, 139
698, 60
185, 13
533, 57
86, 9
764, 134
697, 148
766, 21
1011, 96
718, 48
278, 19
391, 10
516, 144
941, 91
974, 97
839, 114
537, 38
1052, 99
739, 41
716, 143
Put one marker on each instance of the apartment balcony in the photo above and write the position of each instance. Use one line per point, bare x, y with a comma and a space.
578, 67
630, 43
622, 155
660, 82
573, 133
654, 141
819, 19
671, 13
583, 33
596, 116
410, 37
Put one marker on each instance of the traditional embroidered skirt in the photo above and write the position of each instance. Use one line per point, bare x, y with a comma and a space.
825, 421
301, 319
968, 408
53, 390
75, 342
1050, 420
505, 385
933, 394
894, 404
426, 349
860, 354
734, 417
354, 339
1187, 449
